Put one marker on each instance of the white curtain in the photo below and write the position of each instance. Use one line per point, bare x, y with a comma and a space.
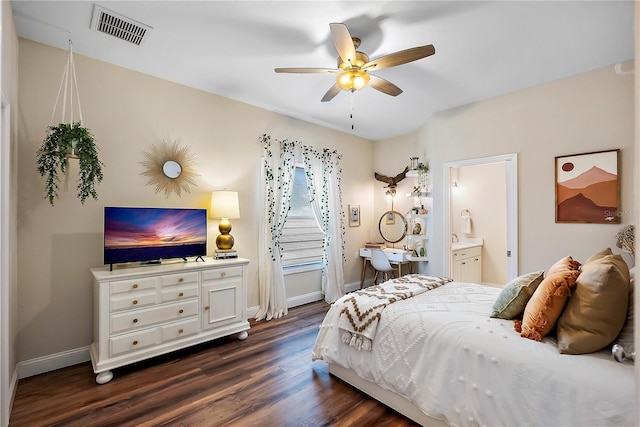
323, 180
278, 170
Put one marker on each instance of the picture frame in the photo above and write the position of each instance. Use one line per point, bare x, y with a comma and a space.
354, 215
391, 218
587, 187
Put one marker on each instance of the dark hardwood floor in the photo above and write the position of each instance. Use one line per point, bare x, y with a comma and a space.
267, 380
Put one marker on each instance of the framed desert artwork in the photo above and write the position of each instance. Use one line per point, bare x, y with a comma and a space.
588, 188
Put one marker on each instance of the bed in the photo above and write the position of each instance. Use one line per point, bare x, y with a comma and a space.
440, 359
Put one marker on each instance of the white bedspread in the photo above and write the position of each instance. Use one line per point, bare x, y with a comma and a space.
441, 351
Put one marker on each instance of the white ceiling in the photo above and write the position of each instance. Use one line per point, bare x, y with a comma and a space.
230, 48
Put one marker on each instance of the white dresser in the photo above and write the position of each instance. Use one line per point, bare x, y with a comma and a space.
142, 312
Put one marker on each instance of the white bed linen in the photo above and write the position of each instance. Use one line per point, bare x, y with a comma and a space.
441, 351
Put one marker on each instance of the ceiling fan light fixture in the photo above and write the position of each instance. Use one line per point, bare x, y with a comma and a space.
353, 80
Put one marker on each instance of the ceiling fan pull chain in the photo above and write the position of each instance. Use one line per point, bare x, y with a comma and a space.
351, 113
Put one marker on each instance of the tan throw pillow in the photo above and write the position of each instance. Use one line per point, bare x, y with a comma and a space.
595, 314
565, 264
546, 304
599, 255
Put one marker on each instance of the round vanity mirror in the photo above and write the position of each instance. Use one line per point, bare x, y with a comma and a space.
171, 169
393, 226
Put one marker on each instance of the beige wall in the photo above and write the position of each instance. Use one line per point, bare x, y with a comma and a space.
8, 214
589, 112
390, 158
128, 112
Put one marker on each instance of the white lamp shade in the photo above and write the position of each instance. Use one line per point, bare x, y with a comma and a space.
224, 204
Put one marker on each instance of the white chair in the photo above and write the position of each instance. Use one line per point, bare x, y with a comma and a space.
381, 264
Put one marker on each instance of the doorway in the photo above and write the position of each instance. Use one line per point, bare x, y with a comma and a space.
452, 172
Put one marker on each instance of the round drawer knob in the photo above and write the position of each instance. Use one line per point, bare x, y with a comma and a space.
135, 286
181, 280
181, 294
135, 320
206, 308
224, 273
181, 311
180, 331
135, 342
135, 301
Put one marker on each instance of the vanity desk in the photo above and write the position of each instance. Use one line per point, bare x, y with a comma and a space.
393, 228
397, 257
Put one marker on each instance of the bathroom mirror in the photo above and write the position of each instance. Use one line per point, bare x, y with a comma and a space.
393, 226
171, 169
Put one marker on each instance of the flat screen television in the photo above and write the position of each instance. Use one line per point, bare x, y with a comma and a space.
149, 235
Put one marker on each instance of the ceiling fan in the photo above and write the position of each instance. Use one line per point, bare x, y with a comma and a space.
354, 66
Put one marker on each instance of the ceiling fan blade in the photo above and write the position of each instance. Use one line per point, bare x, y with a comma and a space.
343, 42
400, 57
305, 70
331, 93
384, 86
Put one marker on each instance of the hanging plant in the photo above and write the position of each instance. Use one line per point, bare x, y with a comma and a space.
69, 141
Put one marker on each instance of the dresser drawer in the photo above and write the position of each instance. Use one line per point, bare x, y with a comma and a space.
132, 285
129, 320
178, 279
179, 292
179, 330
134, 299
133, 342
221, 273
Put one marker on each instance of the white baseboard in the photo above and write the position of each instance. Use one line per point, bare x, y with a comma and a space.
304, 299
291, 302
43, 364
307, 298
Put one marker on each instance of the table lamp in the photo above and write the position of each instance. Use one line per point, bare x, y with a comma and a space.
224, 206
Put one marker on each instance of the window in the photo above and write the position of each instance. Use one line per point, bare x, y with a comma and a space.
302, 240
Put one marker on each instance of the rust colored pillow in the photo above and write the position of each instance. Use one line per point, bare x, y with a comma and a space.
546, 304
563, 265
597, 311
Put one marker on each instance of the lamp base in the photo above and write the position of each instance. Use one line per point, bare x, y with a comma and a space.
225, 254
225, 241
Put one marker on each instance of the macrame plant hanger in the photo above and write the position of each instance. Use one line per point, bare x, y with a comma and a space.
69, 81
69, 139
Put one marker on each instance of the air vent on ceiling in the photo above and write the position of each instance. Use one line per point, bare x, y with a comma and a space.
114, 24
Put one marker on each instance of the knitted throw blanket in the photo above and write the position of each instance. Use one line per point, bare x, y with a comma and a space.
361, 310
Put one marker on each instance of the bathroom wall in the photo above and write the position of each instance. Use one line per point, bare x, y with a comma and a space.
481, 189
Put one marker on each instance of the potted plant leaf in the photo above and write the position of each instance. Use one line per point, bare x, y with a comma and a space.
65, 141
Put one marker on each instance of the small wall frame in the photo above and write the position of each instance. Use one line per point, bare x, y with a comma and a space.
354, 215
588, 187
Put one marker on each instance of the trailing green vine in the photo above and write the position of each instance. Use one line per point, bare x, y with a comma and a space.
66, 141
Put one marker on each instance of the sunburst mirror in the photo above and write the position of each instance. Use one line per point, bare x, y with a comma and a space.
170, 168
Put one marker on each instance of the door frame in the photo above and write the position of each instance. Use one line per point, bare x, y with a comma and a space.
511, 174
6, 395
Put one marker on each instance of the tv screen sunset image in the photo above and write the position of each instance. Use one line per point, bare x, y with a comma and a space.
142, 234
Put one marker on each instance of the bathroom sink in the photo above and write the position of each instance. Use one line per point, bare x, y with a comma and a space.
464, 245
